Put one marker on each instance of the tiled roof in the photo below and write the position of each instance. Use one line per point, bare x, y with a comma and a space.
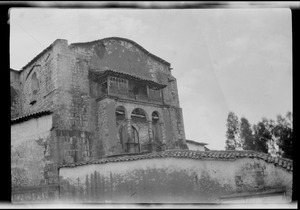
207, 155
118, 73
126, 40
30, 116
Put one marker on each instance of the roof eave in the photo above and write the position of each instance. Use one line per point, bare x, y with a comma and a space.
110, 72
30, 116
214, 155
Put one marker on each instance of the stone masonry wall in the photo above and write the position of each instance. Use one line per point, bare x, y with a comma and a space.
75, 146
174, 128
45, 69
64, 86
15, 100
175, 180
75, 118
108, 129
122, 56
83, 128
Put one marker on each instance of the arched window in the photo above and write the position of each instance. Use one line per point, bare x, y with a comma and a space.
34, 84
120, 113
138, 113
155, 116
34, 88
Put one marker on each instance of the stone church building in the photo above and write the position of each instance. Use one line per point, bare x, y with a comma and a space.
101, 122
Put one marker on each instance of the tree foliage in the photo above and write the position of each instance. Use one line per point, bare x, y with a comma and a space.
266, 136
283, 131
246, 135
261, 137
232, 141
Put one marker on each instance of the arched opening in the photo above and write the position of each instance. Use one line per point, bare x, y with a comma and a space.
34, 84
123, 133
120, 115
138, 114
155, 116
34, 88
140, 135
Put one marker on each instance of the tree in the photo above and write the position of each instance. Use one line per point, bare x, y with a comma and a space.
272, 143
246, 135
261, 137
268, 136
232, 140
284, 133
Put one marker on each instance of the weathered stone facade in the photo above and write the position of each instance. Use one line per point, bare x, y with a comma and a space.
106, 97
101, 122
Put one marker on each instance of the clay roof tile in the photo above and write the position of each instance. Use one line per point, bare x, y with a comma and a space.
218, 155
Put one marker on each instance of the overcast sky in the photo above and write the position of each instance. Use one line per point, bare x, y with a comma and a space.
224, 60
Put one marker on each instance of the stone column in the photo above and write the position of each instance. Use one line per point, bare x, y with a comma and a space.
150, 143
128, 122
162, 128
130, 144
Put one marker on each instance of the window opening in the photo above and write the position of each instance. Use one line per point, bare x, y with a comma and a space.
117, 85
120, 113
34, 84
155, 117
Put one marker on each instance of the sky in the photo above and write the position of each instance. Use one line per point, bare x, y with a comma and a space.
224, 60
